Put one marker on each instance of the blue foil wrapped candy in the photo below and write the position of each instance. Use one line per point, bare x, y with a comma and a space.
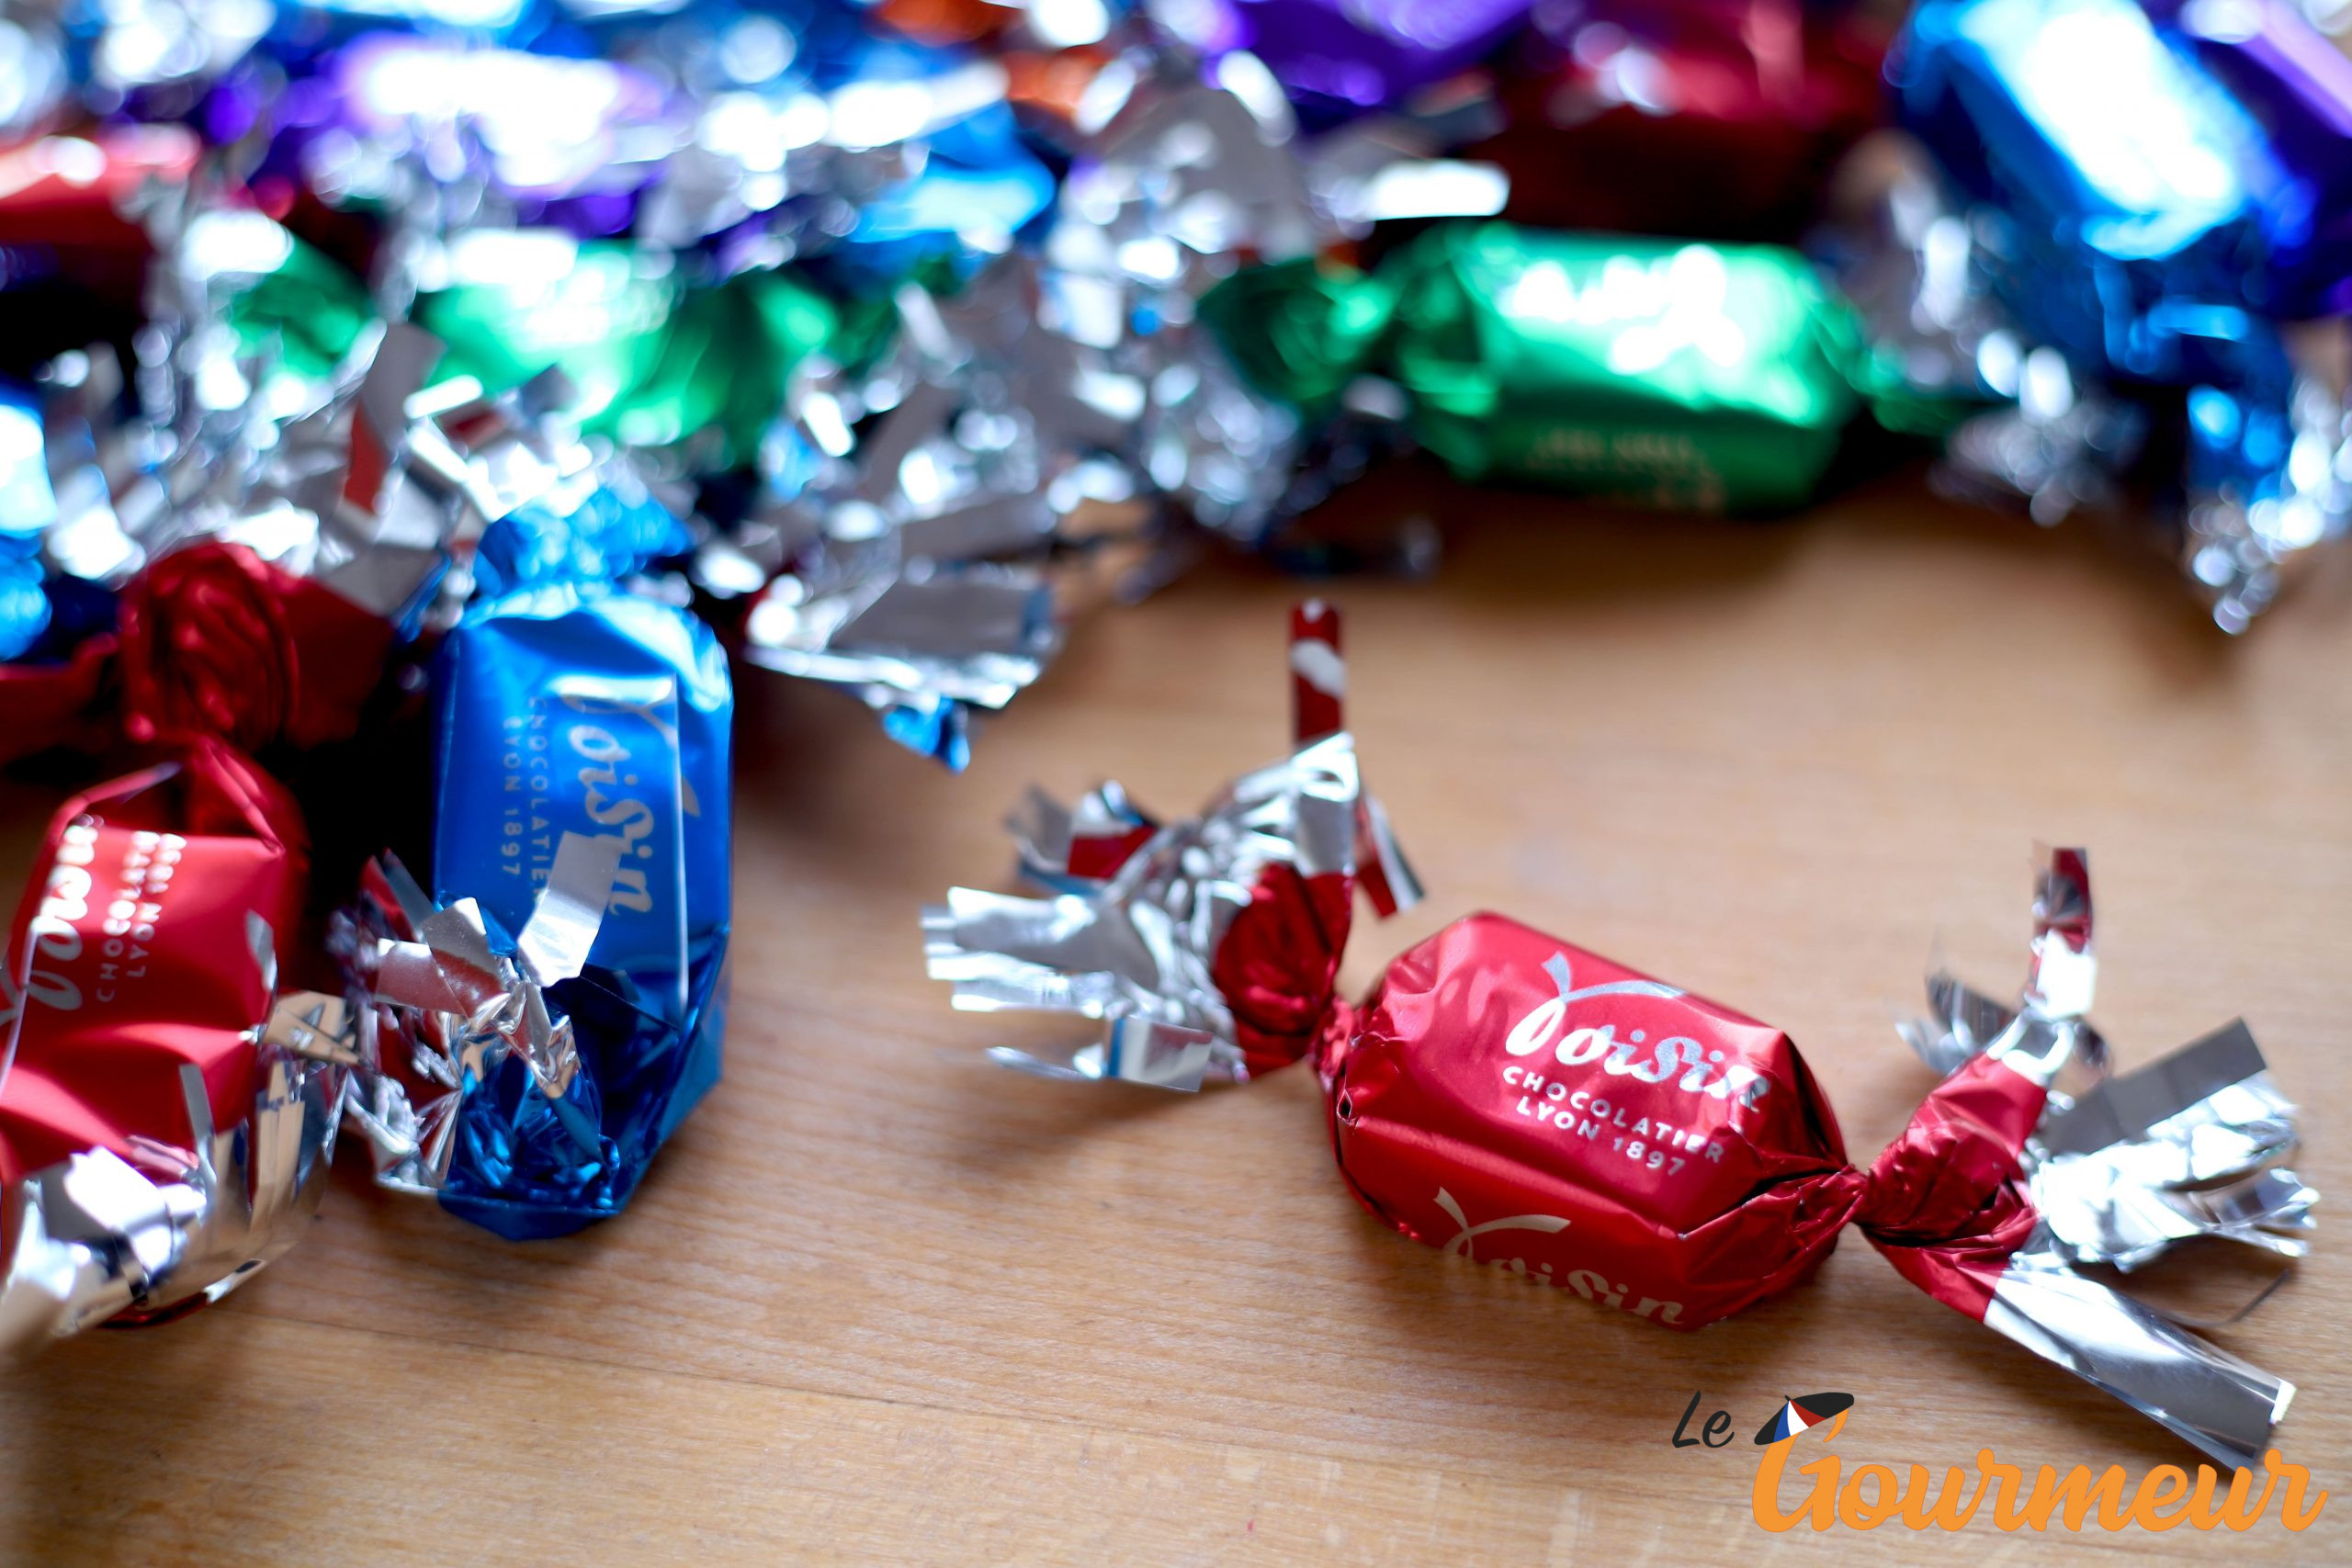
550, 1013
600, 526
2126, 217
2126, 185
575, 707
27, 509
2297, 83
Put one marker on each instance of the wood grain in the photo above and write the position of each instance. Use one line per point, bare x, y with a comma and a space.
881, 1303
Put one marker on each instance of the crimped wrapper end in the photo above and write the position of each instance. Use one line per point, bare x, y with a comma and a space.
2224, 1406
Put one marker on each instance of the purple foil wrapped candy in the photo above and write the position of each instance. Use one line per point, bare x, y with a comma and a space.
2298, 83
1337, 58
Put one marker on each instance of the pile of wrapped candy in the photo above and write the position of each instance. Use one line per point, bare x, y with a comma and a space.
405, 407
205, 981
929, 319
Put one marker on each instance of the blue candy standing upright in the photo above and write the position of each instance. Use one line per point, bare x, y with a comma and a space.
574, 706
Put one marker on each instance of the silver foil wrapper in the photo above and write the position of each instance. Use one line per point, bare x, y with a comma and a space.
2218, 1402
2062, 977
2185, 1147
99, 1236
336, 480
2121, 1170
1068, 381
1134, 940
452, 998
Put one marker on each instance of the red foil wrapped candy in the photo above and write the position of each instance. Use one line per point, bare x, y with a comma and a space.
165, 1115
1720, 118
218, 641
1510, 1098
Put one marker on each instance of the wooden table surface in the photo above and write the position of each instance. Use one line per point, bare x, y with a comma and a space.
880, 1302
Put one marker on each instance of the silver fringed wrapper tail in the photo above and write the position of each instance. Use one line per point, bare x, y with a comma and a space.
2217, 1402
2122, 1171
1137, 953
440, 989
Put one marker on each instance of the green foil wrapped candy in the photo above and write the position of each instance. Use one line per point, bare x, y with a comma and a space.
1659, 371
656, 360
296, 310
1300, 330
1676, 373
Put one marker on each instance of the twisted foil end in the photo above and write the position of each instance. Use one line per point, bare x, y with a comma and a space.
461, 999
2122, 1171
1139, 911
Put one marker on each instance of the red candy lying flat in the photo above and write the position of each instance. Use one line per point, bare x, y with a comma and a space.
1636, 1144
1512, 1099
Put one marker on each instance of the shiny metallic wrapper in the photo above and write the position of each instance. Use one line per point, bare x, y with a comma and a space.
915, 566
99, 1238
1135, 942
2121, 1171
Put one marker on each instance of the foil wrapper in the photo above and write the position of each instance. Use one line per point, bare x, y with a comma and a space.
2121, 1171
523, 1085
165, 1126
687, 371
1656, 371
569, 710
1149, 946
1710, 118
767, 136
1068, 381
2109, 208
1507, 1097
2238, 478
2126, 1166
2296, 83
1338, 60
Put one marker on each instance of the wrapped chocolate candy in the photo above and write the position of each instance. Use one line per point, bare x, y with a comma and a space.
538, 1027
166, 1113
2112, 216
1672, 373
654, 360
2297, 84
1340, 58
2138, 252
1505, 1096
1713, 119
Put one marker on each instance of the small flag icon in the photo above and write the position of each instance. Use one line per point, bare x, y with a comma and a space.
1798, 1413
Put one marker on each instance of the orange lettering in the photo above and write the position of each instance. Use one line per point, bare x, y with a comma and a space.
1948, 1514
2075, 1496
2291, 1507
1854, 1513
1765, 1500
2005, 1503
2163, 1499
2233, 1513
2162, 1488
